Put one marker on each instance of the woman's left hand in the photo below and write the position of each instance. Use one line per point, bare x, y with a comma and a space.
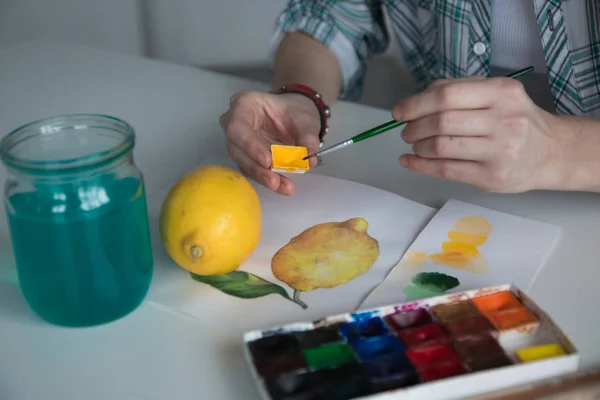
485, 132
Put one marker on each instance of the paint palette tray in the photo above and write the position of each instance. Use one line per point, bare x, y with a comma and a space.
446, 347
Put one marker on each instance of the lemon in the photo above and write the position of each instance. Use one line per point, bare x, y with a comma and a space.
211, 220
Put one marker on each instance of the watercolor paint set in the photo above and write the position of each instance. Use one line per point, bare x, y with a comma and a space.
446, 347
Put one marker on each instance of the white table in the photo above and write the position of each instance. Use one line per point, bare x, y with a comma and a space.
156, 354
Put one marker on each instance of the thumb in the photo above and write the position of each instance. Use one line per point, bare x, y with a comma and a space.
311, 141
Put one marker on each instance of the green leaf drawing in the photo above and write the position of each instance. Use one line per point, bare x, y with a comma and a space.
429, 284
245, 285
435, 281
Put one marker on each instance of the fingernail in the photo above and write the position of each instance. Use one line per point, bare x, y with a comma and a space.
404, 161
397, 111
285, 189
267, 181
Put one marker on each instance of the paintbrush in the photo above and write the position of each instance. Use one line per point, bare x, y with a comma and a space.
388, 126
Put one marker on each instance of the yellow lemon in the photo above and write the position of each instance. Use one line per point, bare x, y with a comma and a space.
211, 220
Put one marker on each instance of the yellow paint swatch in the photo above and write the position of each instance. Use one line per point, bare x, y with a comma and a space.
413, 260
417, 257
289, 159
540, 352
461, 251
466, 249
474, 224
467, 238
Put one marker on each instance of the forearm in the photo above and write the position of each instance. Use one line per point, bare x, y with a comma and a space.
579, 160
302, 59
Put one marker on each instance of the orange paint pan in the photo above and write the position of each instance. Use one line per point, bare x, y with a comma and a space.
511, 318
496, 302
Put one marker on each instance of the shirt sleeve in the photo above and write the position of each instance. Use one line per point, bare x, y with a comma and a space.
354, 30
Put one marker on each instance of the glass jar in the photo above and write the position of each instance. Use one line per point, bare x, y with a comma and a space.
76, 207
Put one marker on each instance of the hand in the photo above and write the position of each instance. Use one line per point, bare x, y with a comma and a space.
485, 132
255, 120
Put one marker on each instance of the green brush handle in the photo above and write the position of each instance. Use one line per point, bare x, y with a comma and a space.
377, 130
394, 124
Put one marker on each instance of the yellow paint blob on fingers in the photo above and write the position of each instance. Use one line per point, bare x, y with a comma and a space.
289, 159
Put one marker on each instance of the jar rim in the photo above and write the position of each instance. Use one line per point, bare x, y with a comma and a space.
10, 140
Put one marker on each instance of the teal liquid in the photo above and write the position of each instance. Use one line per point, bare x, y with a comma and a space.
83, 252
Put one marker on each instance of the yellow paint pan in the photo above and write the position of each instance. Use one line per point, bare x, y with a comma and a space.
289, 159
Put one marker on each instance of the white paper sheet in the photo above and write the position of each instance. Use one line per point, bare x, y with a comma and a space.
393, 221
514, 251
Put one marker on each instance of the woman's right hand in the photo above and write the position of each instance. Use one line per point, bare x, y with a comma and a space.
255, 120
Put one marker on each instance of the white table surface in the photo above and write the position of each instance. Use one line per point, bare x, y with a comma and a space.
156, 354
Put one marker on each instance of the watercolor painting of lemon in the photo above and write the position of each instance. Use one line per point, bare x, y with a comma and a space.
326, 255
323, 256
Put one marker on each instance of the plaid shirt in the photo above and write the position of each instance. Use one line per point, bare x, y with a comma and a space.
355, 30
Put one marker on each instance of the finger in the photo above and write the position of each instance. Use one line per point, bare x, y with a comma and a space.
255, 171
286, 186
271, 180
454, 147
475, 94
309, 140
450, 123
241, 133
441, 82
444, 81
236, 96
470, 172
312, 143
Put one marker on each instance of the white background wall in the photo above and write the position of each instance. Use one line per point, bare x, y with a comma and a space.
226, 35
109, 23
202, 32
212, 32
